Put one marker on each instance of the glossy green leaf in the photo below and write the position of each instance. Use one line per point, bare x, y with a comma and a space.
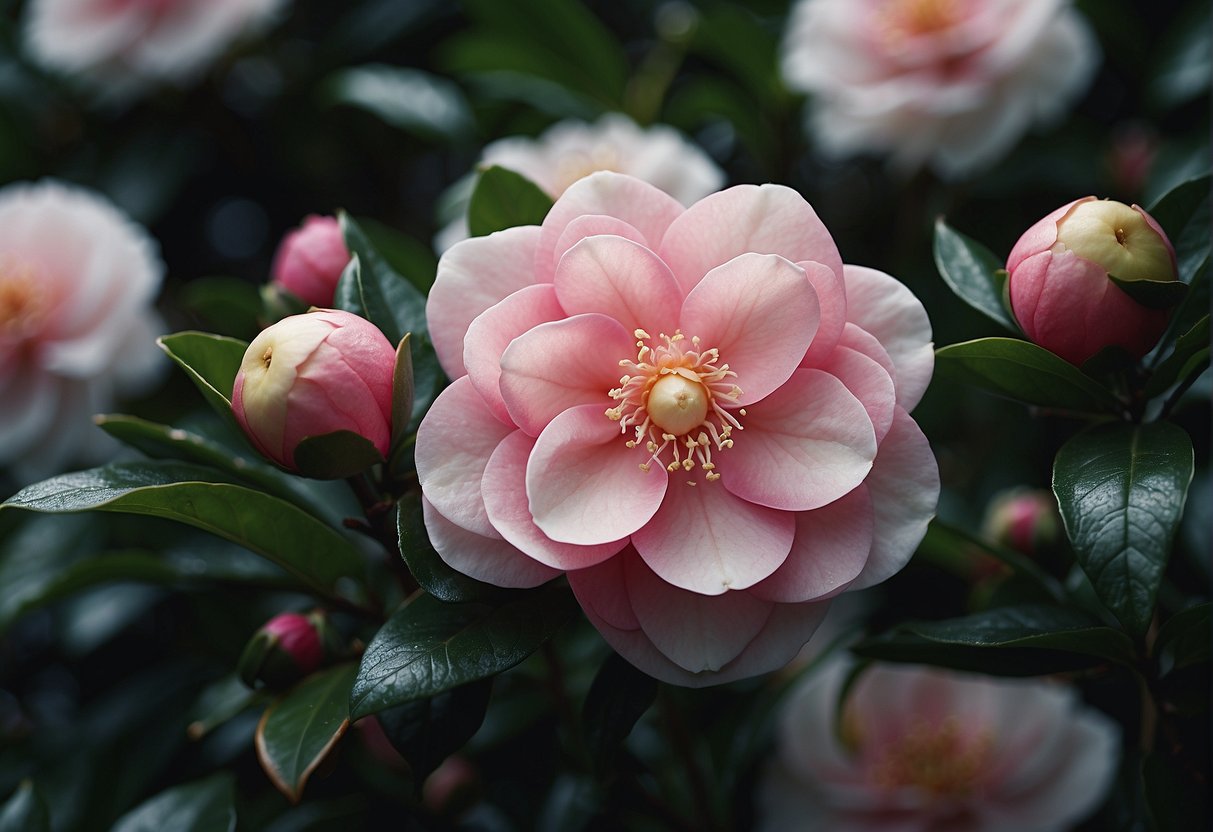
376, 291
970, 270
202, 497
204, 804
504, 199
430, 646
298, 731
211, 362
1183, 212
618, 698
25, 811
1153, 294
409, 99
1184, 639
427, 566
1010, 641
335, 455
408, 256
218, 703
427, 731
1024, 372
1121, 489
1190, 357
946, 541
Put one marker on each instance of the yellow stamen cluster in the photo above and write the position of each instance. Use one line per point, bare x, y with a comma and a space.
939, 760
23, 302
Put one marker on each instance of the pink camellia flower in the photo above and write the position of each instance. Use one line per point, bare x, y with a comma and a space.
570, 150
310, 260
312, 374
698, 413
1023, 519
949, 83
1059, 287
120, 46
920, 749
77, 326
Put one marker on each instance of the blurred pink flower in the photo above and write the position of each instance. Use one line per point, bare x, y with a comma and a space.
952, 84
310, 259
1059, 287
699, 413
921, 749
570, 150
1023, 519
118, 47
77, 327
312, 374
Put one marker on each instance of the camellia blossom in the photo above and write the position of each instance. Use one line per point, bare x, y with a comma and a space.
571, 149
698, 413
949, 83
77, 326
920, 749
119, 46
310, 259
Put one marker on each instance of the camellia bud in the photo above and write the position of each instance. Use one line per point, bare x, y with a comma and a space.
310, 260
1060, 288
1022, 519
287, 648
315, 374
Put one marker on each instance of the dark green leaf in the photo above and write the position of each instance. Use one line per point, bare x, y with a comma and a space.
1121, 489
1190, 356
1185, 56
228, 305
1183, 212
203, 804
504, 199
411, 258
1011, 641
218, 703
300, 729
1024, 372
970, 269
211, 362
1153, 294
618, 697
373, 289
409, 99
430, 646
1184, 639
200, 497
335, 455
427, 731
25, 811
1177, 795
428, 567
960, 545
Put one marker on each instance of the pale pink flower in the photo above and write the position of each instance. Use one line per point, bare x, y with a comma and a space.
312, 374
920, 749
1059, 287
310, 259
952, 84
570, 150
77, 326
699, 413
118, 47
1024, 519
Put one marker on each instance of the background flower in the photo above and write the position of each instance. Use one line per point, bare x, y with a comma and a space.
77, 328
755, 458
921, 749
948, 83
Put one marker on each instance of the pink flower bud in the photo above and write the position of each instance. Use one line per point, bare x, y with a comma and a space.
313, 374
310, 259
287, 648
1024, 520
1059, 286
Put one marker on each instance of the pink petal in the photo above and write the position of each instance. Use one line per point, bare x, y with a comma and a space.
1041, 236
602, 592
585, 485
830, 549
639, 204
594, 225
454, 443
473, 275
562, 364
622, 280
495, 328
705, 540
868, 381
904, 486
696, 632
802, 447
761, 313
766, 219
832, 298
504, 489
486, 559
887, 309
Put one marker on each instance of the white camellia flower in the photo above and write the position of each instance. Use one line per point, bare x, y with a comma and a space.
570, 150
952, 84
77, 280
120, 46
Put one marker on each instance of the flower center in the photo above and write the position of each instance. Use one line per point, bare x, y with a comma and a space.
940, 760
673, 400
23, 302
578, 164
922, 17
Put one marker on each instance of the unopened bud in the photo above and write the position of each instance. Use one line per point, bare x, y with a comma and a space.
310, 260
287, 648
1024, 520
